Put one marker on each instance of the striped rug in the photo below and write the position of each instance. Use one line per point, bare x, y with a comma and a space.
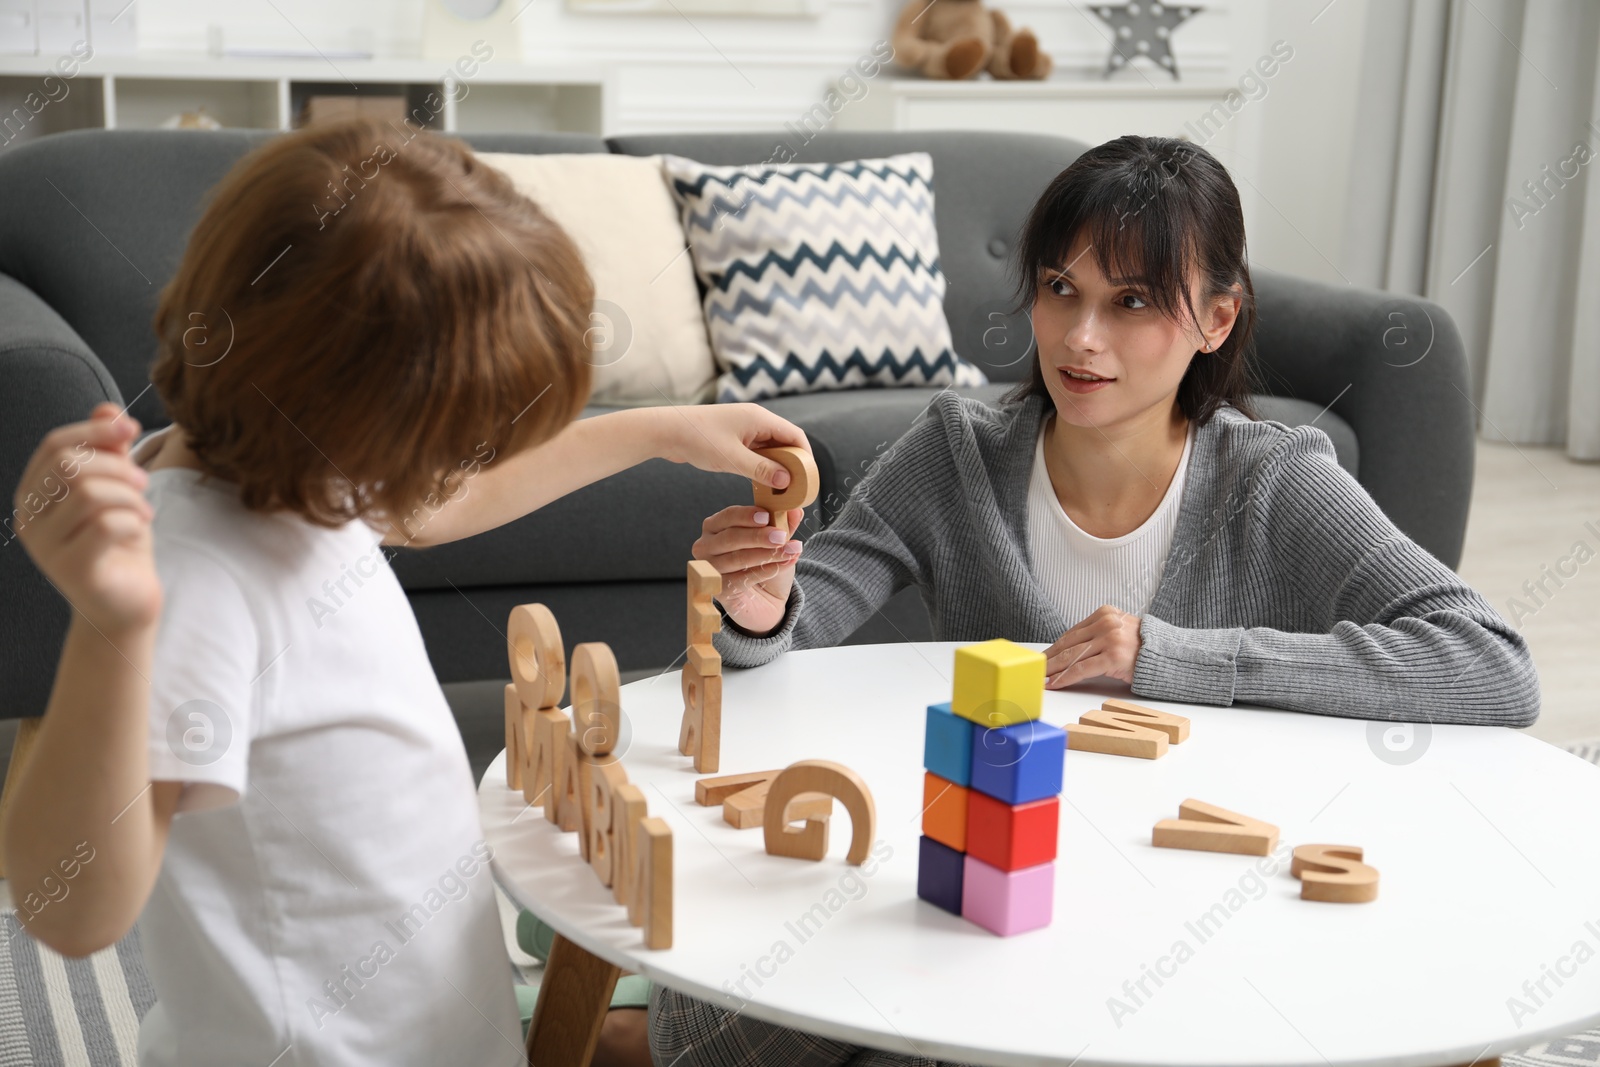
56, 1012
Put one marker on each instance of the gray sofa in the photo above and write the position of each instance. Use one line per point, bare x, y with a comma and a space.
93, 223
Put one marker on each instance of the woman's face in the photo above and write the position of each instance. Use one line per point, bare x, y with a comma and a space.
1106, 353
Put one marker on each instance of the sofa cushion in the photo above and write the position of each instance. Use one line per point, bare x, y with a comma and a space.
640, 524
819, 276
648, 336
984, 183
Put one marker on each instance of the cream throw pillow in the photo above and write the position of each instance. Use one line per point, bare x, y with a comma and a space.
650, 335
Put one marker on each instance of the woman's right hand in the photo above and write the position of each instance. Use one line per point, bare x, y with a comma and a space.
757, 571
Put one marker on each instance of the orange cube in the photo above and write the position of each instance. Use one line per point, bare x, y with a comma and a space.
944, 811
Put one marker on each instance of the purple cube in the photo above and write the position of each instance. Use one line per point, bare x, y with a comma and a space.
939, 875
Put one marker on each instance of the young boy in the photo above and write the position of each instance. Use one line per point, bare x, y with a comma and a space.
278, 790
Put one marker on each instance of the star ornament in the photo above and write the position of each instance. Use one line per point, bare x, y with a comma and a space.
1143, 29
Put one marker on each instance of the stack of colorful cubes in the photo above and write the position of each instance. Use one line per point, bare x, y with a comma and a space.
991, 793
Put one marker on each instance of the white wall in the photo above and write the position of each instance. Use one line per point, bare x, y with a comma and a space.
1309, 125
708, 72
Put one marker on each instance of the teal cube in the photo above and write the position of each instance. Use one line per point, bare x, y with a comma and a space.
947, 745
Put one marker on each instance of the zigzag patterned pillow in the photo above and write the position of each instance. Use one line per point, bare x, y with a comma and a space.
819, 276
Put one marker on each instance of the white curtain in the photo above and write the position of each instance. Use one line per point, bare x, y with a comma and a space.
1476, 184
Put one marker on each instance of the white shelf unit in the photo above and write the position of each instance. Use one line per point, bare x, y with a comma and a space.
1091, 111
141, 91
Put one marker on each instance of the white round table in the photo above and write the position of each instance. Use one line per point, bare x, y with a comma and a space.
1489, 894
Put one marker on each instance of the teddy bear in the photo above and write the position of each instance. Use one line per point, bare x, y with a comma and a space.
957, 38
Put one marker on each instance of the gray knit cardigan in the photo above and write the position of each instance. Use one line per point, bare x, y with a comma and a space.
1285, 584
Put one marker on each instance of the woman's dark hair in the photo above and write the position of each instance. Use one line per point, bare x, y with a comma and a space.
1151, 208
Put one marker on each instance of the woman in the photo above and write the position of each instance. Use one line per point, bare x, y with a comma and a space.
1124, 506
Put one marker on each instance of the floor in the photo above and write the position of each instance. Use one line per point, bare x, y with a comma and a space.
1529, 510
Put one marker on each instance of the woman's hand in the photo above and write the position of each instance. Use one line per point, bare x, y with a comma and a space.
756, 562
1105, 644
724, 437
80, 512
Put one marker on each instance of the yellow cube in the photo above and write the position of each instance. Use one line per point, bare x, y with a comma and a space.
998, 683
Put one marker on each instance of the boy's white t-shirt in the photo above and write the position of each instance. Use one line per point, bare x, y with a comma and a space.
325, 895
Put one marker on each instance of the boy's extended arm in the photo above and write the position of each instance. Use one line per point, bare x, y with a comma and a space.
85, 831
86, 827
715, 437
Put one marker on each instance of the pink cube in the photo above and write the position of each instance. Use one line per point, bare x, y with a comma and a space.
1007, 902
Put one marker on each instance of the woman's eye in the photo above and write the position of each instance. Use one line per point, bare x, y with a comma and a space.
1058, 286
1134, 296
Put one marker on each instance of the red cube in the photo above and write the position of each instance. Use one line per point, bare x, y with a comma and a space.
1012, 836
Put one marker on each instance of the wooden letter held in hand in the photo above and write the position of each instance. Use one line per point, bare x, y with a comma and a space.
700, 735
1208, 828
801, 491
810, 842
744, 799
1123, 728
1334, 873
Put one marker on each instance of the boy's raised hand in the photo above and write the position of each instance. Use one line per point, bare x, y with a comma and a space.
80, 512
756, 561
724, 437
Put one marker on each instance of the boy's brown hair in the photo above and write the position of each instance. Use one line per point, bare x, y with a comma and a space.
362, 312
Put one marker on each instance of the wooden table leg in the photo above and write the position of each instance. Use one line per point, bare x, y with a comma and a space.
574, 995
21, 748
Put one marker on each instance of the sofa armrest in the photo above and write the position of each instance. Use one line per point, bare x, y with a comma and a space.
48, 376
1394, 368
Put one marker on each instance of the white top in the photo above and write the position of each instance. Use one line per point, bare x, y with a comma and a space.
1155, 955
1081, 572
325, 894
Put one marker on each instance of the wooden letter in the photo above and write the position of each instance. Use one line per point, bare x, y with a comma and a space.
652, 887
547, 737
810, 842
704, 580
801, 491
1334, 873
1122, 728
709, 791
596, 698
1208, 828
744, 799
700, 735
514, 754
627, 809
704, 620
568, 793
538, 666
601, 776
527, 751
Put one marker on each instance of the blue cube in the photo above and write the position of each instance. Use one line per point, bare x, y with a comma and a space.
1018, 763
947, 744
940, 870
